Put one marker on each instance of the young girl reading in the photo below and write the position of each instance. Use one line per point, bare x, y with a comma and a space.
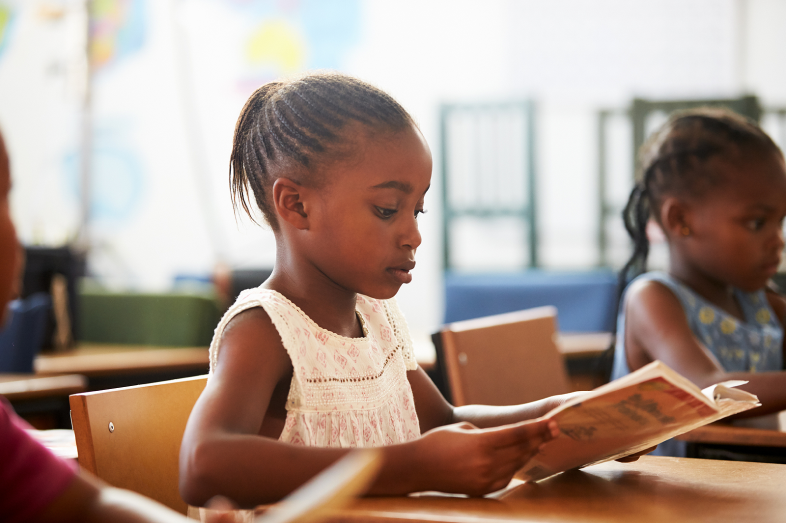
716, 185
319, 359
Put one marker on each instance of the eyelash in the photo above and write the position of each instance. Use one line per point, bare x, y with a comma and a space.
386, 214
756, 224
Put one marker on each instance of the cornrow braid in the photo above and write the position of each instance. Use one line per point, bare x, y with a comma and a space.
290, 128
674, 161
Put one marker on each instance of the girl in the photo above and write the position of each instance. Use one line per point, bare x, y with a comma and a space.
318, 359
716, 184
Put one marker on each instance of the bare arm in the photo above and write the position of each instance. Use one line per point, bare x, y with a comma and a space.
434, 410
656, 329
224, 454
88, 500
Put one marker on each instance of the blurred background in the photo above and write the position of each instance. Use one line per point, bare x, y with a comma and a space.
118, 115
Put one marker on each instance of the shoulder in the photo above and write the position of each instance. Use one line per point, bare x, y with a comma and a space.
650, 293
249, 339
652, 311
253, 310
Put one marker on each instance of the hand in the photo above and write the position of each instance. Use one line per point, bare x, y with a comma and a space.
634, 457
463, 459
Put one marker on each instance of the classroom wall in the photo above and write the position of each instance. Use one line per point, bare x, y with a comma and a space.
172, 76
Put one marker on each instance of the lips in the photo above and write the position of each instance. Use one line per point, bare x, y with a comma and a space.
771, 267
406, 266
401, 272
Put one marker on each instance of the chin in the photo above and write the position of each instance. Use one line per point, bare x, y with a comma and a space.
753, 286
380, 294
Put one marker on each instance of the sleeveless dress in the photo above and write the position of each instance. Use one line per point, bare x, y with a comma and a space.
345, 392
753, 345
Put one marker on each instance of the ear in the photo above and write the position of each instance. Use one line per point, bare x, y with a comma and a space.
288, 201
675, 217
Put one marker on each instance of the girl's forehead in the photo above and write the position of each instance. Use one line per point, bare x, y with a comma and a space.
386, 156
757, 179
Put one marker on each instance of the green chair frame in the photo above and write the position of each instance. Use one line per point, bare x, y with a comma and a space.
483, 172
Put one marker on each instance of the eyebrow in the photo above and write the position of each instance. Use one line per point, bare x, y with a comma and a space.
393, 184
760, 207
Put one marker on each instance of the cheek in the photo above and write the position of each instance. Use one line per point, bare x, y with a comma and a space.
9, 256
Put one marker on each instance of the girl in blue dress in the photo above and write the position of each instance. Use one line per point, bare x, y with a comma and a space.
715, 183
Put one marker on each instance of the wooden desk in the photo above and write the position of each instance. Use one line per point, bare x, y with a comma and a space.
724, 434
100, 360
583, 344
21, 387
114, 366
654, 489
582, 351
42, 400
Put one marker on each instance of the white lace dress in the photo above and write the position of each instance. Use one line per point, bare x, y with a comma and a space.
345, 392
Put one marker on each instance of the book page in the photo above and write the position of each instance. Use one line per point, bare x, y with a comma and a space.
628, 416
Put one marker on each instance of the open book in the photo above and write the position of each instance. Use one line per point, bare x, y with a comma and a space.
629, 415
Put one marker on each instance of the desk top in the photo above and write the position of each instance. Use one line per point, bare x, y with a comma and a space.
19, 387
99, 360
654, 489
583, 344
724, 434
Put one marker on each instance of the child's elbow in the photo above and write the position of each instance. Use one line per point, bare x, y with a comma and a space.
198, 473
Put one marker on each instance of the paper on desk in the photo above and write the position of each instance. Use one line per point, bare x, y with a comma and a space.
629, 415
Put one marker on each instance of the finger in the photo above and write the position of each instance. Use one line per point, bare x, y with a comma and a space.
508, 460
530, 433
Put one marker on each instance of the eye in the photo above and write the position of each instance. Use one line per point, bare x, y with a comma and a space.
756, 224
385, 213
419, 212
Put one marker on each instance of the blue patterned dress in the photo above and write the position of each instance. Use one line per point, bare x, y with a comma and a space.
754, 345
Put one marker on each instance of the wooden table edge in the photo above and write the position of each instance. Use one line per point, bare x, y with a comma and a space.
723, 434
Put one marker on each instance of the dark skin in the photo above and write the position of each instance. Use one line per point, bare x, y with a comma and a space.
357, 234
730, 237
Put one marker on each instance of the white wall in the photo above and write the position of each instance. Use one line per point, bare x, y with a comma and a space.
173, 104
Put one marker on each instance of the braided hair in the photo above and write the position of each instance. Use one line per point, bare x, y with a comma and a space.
674, 161
297, 126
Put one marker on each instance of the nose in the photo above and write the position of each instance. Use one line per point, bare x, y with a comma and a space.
411, 235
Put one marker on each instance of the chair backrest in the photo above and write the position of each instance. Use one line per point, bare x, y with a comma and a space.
505, 359
130, 437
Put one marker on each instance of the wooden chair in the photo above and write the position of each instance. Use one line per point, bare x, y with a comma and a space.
505, 359
130, 437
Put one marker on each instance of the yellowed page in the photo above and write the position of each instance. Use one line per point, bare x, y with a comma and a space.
628, 416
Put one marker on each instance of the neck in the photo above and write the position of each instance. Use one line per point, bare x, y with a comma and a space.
717, 292
328, 304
